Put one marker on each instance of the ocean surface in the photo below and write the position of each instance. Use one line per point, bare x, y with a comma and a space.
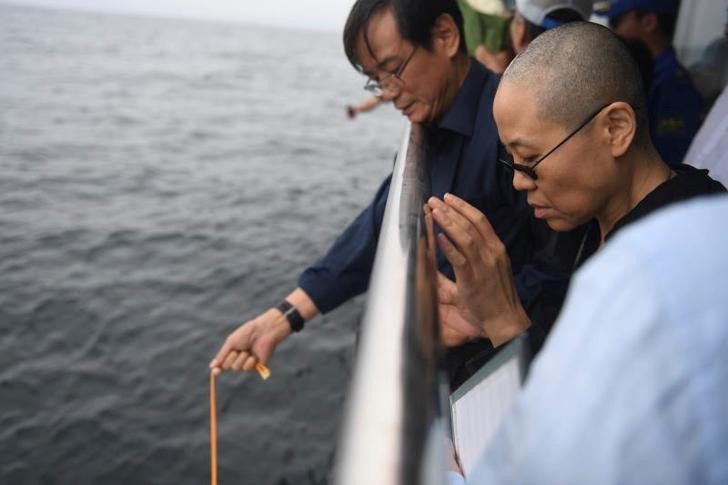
162, 181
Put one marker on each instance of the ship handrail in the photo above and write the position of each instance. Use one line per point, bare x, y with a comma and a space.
394, 424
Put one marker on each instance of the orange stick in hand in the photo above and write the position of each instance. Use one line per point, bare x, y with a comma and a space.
263, 371
264, 374
213, 431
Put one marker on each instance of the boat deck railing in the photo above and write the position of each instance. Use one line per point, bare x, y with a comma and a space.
396, 416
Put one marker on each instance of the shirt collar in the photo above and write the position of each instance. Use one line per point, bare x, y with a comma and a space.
461, 115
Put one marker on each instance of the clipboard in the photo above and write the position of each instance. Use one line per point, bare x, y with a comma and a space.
479, 405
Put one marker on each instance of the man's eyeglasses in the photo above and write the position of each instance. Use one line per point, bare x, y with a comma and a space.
530, 170
392, 82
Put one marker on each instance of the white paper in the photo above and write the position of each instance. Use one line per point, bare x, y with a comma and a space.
477, 415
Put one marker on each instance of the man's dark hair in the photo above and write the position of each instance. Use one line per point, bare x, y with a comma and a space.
562, 16
415, 20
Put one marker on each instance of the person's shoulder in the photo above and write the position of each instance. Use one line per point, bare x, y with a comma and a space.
488, 81
681, 259
478, 92
480, 74
672, 262
698, 179
695, 228
677, 82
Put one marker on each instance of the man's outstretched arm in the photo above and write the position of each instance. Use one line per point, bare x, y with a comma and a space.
341, 274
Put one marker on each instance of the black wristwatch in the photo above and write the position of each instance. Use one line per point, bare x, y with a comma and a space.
295, 320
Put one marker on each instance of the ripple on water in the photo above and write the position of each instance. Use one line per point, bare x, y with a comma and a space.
162, 181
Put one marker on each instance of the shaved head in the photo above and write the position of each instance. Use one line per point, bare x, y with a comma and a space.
576, 68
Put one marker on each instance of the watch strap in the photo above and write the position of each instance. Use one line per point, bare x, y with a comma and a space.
295, 320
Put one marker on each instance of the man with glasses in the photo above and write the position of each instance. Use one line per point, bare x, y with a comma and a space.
575, 165
413, 53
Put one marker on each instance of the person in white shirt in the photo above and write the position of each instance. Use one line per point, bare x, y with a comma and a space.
709, 148
632, 384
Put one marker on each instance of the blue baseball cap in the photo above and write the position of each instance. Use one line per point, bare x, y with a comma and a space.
620, 7
538, 11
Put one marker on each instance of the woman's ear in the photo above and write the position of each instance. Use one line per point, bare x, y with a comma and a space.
621, 125
446, 32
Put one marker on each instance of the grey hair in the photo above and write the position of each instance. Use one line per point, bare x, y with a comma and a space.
576, 68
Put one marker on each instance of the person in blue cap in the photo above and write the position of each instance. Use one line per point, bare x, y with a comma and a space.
675, 108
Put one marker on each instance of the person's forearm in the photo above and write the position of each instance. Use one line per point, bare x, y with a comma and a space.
303, 303
510, 327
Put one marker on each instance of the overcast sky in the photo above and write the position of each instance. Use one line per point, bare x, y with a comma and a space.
313, 14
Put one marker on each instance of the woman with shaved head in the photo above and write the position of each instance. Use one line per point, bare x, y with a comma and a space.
571, 112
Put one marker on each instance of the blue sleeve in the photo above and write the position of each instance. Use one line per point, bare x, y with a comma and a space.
345, 269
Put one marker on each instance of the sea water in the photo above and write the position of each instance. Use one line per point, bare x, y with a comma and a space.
162, 181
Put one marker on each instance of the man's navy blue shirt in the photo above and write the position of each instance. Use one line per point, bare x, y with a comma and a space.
461, 152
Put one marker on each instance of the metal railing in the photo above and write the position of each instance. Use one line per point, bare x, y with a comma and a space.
396, 416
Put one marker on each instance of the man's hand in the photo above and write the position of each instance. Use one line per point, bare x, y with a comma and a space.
253, 342
495, 61
455, 327
486, 295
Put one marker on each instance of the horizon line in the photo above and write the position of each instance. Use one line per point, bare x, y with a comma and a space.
170, 16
